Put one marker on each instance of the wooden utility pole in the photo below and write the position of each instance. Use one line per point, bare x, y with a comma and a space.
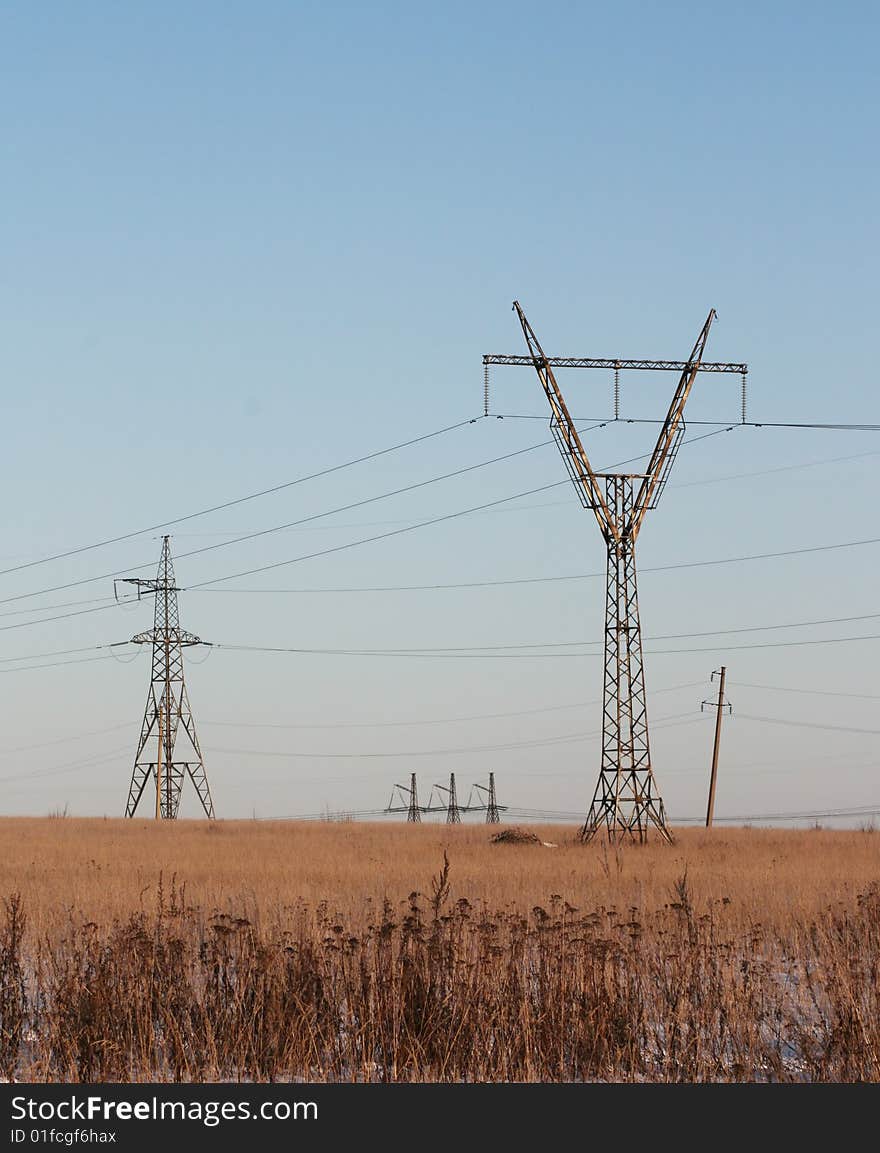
720, 706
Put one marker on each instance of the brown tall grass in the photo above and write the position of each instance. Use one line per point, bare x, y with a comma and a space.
348, 952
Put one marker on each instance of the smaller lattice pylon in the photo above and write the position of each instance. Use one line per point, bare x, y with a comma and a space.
492, 803
408, 799
413, 813
168, 714
453, 812
453, 816
491, 806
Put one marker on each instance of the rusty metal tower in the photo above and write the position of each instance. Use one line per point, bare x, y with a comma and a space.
626, 801
168, 709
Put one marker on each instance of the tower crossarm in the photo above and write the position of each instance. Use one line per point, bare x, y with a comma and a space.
566, 435
147, 585
400, 794
481, 808
174, 637
669, 439
621, 363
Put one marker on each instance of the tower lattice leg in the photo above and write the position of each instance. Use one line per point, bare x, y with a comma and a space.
626, 800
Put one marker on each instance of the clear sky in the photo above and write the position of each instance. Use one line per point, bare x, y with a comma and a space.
243, 243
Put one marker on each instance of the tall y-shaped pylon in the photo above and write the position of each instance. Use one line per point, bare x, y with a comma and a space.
168, 705
626, 800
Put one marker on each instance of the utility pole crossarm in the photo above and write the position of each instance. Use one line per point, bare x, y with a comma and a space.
670, 436
566, 435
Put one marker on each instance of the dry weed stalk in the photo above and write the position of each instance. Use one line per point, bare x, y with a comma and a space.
445, 990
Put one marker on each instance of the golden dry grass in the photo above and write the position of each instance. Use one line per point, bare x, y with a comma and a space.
102, 869
343, 951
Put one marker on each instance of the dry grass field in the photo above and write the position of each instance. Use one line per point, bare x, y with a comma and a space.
348, 951
101, 869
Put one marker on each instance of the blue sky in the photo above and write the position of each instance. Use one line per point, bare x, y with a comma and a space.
244, 243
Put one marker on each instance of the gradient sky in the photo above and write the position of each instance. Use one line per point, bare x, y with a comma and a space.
242, 243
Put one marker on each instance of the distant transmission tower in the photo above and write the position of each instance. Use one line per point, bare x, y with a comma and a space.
168, 705
410, 801
453, 813
626, 800
413, 813
491, 805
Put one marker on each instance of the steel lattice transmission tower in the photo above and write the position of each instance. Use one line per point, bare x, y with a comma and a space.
413, 812
168, 707
410, 801
453, 812
491, 805
626, 801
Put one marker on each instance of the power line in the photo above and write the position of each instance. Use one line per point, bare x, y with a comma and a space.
434, 654
564, 817
764, 628
432, 721
396, 724
426, 652
464, 654
330, 512
367, 500
564, 739
573, 738
815, 814
69, 767
337, 548
62, 605
779, 468
64, 740
60, 617
580, 644
263, 532
269, 491
57, 664
810, 692
476, 650
771, 645
536, 580
371, 539
61, 652
202, 586
401, 531
820, 426
567, 504
238, 500
806, 724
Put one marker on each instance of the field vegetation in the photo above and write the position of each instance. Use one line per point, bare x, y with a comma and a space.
370, 952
